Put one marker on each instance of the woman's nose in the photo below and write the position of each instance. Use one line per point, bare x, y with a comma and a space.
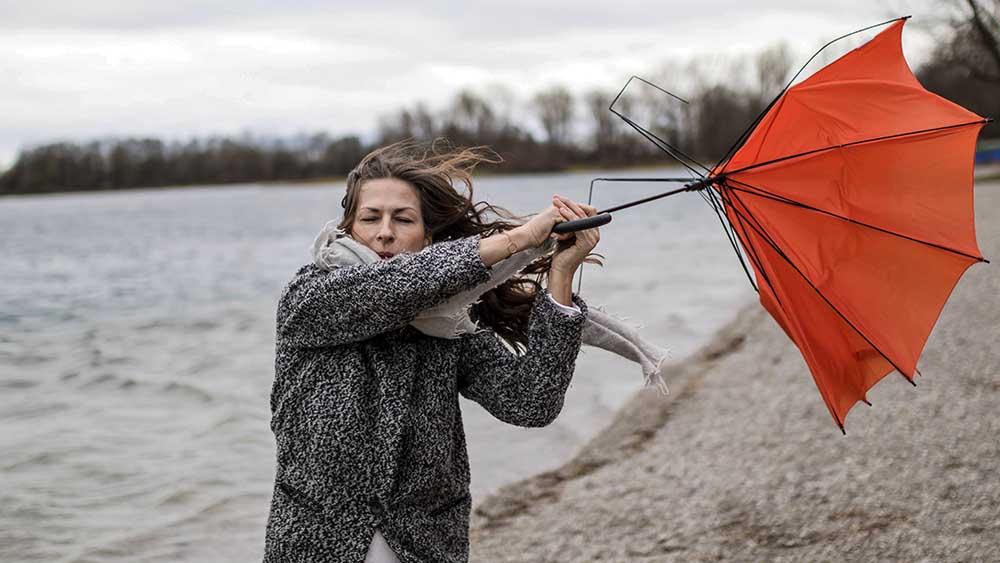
385, 233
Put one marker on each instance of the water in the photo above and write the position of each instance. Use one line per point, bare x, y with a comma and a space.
137, 349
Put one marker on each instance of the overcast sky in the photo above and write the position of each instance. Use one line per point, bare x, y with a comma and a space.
83, 70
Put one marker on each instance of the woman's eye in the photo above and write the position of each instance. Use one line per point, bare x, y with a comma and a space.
406, 220
368, 220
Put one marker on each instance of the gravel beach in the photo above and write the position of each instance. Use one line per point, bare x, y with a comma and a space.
742, 462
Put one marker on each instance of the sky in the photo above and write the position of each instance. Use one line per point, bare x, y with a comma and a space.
104, 68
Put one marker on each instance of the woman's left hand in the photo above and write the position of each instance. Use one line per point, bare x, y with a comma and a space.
569, 256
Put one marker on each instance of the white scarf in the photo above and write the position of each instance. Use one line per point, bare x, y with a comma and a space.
333, 249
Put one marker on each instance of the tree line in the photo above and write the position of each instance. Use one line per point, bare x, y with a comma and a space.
554, 130
137, 163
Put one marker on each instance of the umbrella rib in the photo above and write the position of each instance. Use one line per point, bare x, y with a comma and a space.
730, 231
746, 132
756, 225
671, 150
674, 180
816, 289
851, 144
823, 390
746, 219
590, 201
664, 146
752, 251
714, 205
788, 201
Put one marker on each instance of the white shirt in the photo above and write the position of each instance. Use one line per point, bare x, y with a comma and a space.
568, 309
379, 551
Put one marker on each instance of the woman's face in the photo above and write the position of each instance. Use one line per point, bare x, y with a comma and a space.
388, 219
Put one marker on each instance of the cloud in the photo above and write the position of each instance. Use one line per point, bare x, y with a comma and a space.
102, 68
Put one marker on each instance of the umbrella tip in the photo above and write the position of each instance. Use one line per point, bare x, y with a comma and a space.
865, 401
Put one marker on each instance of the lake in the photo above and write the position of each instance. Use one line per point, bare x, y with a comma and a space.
137, 350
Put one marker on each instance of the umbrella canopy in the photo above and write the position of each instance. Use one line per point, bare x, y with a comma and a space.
852, 198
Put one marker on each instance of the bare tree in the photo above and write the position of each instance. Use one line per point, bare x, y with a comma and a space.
470, 120
965, 67
602, 121
395, 127
773, 66
555, 111
424, 125
503, 100
979, 22
722, 115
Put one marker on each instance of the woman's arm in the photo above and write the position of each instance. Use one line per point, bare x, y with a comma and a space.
323, 308
526, 390
327, 308
560, 286
566, 261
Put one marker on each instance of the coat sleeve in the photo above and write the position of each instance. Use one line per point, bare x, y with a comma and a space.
526, 390
327, 308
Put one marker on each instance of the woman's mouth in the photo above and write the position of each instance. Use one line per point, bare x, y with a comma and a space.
385, 255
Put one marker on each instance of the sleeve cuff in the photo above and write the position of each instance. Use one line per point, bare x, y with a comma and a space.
569, 310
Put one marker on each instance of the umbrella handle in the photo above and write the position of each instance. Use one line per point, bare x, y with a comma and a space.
581, 224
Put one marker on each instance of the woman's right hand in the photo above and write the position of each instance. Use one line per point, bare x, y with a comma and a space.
531, 234
538, 229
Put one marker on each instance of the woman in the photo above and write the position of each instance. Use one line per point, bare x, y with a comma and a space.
371, 453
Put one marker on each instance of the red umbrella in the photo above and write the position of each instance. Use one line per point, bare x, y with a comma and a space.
852, 199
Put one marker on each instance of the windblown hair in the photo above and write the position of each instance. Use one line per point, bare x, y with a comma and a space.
433, 169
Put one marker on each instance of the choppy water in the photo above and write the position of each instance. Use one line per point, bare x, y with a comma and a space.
137, 348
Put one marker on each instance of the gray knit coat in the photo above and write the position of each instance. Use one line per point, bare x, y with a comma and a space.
365, 408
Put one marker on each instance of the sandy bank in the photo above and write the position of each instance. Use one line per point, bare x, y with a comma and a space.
743, 462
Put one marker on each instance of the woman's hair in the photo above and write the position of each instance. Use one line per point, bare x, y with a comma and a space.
432, 168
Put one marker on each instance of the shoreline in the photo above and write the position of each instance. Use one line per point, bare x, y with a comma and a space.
743, 462
628, 433
984, 173
326, 180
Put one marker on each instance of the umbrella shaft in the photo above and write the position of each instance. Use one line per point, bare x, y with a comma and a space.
693, 186
604, 217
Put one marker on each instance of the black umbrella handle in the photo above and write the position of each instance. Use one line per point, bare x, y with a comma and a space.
581, 224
